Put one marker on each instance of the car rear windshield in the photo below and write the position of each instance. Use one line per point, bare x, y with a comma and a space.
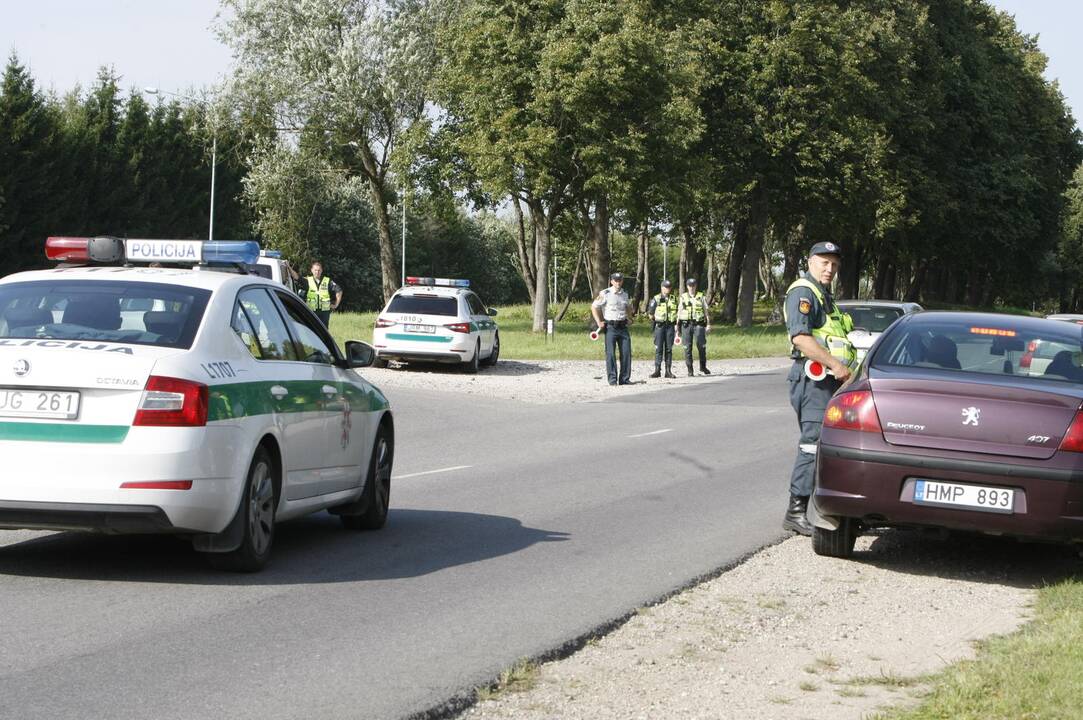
1048, 352
105, 310
424, 305
873, 319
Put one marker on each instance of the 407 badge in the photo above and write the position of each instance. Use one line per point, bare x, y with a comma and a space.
805, 306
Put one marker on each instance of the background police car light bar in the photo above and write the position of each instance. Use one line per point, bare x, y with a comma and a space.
245, 252
442, 282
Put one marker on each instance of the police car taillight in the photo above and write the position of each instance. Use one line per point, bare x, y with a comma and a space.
459, 327
84, 249
384, 322
172, 402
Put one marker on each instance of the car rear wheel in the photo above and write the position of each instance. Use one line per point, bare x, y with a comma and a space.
495, 354
377, 492
379, 362
471, 366
837, 543
258, 506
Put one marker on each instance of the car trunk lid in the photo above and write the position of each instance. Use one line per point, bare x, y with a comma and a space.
994, 419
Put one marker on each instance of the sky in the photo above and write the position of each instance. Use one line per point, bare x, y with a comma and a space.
169, 43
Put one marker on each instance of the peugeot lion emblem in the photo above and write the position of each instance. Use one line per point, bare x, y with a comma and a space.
22, 367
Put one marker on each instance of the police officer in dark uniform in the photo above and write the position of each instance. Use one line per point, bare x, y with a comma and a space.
610, 310
817, 329
662, 310
693, 324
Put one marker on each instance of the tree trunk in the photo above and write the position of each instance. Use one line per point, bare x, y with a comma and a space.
575, 281
543, 251
682, 264
880, 279
643, 270
526, 251
599, 227
389, 281
913, 293
851, 272
751, 265
733, 271
711, 287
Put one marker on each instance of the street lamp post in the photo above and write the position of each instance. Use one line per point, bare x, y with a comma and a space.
214, 150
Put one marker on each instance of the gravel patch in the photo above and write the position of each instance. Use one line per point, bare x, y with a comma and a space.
788, 634
555, 381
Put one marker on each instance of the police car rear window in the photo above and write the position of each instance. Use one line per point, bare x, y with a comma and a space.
424, 305
136, 313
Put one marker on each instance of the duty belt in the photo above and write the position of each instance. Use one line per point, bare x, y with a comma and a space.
617, 323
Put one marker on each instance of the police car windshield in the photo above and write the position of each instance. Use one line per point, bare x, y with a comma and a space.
424, 305
138, 313
981, 348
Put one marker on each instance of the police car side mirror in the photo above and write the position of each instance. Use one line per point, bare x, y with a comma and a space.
492, 312
359, 354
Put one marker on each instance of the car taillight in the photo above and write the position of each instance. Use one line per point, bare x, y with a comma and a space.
1073, 439
172, 402
384, 322
459, 327
853, 411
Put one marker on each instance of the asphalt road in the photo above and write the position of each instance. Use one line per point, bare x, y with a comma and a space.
557, 520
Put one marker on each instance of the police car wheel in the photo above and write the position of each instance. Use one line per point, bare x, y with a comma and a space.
258, 508
835, 543
495, 354
379, 362
471, 366
377, 492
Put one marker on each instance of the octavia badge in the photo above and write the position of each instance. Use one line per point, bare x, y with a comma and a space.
22, 367
971, 416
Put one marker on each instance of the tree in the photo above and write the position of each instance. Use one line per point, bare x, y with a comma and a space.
351, 74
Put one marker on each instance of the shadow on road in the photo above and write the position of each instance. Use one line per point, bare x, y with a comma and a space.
975, 558
314, 549
504, 367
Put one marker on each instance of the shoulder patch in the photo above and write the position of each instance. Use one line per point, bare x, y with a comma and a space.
805, 306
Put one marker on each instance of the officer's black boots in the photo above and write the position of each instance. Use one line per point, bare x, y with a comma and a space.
657, 372
689, 366
669, 371
703, 369
796, 519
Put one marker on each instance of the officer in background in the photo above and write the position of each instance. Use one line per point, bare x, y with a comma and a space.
662, 309
318, 290
818, 330
610, 311
694, 322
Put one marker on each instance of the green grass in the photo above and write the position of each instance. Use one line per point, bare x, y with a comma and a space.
520, 677
571, 341
1031, 674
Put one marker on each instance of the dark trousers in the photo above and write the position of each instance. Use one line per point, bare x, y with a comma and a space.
324, 316
809, 399
664, 333
698, 333
618, 337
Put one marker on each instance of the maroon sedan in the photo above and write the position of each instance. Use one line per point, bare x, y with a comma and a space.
945, 427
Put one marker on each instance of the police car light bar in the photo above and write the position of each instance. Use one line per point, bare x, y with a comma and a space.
270, 253
441, 282
84, 249
245, 252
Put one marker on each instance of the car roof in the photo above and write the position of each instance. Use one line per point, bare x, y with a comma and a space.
206, 279
995, 320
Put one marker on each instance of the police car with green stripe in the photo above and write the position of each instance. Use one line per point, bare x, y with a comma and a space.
195, 398
437, 320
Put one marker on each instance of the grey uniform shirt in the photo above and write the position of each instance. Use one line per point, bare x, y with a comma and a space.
614, 304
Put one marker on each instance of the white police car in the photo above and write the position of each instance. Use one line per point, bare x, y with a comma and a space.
437, 320
167, 400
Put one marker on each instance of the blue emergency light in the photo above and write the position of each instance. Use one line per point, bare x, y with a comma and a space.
270, 253
239, 252
111, 250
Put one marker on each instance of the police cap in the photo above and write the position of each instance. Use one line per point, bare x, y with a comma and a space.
825, 248
690, 281
616, 276
667, 283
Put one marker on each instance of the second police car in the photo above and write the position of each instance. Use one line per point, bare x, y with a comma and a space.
437, 320
169, 400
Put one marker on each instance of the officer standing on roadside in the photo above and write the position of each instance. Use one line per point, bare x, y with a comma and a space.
694, 322
318, 292
662, 309
817, 329
610, 311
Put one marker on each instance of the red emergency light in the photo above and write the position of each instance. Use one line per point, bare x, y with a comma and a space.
84, 249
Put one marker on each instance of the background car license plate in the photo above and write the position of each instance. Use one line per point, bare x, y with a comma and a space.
420, 328
26, 403
976, 497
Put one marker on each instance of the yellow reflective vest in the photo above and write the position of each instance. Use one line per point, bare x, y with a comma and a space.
665, 308
319, 295
832, 334
691, 308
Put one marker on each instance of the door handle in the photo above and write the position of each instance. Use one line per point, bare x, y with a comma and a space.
279, 392
329, 390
